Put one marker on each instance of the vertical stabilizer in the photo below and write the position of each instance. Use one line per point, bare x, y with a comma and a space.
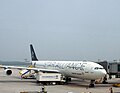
33, 55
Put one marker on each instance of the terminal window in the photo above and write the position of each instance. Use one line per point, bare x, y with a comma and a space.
119, 67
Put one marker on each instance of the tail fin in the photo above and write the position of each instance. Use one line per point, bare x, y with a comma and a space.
33, 55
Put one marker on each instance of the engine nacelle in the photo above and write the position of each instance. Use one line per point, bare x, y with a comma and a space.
8, 71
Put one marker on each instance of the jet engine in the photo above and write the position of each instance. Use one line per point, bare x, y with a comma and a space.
8, 71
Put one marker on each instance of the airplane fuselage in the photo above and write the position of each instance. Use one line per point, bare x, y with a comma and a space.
76, 69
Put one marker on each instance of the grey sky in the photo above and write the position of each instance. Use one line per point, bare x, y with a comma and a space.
60, 29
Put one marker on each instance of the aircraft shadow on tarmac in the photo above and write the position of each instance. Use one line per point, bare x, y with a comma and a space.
73, 83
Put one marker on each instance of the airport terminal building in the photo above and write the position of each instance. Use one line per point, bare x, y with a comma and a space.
112, 68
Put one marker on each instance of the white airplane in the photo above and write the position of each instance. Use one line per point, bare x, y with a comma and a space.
70, 69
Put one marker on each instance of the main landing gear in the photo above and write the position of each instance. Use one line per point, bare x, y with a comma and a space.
67, 79
92, 83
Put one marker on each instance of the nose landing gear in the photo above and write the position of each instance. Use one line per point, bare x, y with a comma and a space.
92, 83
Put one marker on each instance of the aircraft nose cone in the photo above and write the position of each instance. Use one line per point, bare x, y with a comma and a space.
103, 72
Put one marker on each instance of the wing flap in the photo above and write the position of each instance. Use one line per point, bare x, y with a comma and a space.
43, 70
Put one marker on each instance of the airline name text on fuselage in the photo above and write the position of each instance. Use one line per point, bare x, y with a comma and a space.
67, 65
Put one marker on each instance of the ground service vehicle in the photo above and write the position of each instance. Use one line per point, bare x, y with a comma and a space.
50, 78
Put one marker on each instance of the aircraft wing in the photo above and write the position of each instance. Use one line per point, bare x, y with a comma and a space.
12, 67
29, 68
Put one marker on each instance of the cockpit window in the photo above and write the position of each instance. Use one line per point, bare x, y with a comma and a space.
96, 68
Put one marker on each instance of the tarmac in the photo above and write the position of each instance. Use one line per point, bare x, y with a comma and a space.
14, 84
